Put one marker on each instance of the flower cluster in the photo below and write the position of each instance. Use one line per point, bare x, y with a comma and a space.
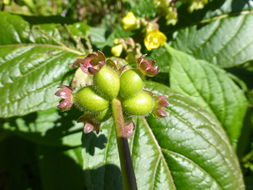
154, 38
168, 9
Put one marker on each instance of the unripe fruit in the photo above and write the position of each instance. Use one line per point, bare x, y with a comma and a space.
107, 82
140, 104
87, 99
102, 116
130, 83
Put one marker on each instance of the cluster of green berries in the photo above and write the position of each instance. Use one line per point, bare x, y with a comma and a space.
110, 81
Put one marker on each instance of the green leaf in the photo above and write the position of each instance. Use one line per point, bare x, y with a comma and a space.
144, 8
78, 29
224, 40
30, 70
210, 87
48, 127
13, 29
99, 38
186, 150
228, 7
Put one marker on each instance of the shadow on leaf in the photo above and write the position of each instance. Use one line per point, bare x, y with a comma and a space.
106, 177
91, 140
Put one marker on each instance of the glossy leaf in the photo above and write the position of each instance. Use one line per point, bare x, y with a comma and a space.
186, 150
30, 70
225, 41
13, 29
210, 87
228, 7
48, 127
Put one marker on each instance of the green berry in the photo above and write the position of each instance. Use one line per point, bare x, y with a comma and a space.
107, 82
87, 99
130, 83
102, 116
140, 104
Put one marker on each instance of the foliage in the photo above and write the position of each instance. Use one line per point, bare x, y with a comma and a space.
205, 142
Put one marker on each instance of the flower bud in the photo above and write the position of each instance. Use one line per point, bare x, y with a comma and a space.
171, 16
130, 22
117, 50
197, 4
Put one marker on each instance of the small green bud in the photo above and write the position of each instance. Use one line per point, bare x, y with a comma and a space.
130, 83
107, 82
140, 104
87, 99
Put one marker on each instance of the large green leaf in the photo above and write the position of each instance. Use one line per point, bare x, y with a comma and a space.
48, 127
186, 150
210, 87
30, 70
225, 8
224, 40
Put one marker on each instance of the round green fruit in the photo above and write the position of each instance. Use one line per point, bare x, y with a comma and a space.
130, 83
102, 116
107, 82
140, 104
87, 99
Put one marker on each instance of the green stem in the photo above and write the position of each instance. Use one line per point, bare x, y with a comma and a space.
127, 171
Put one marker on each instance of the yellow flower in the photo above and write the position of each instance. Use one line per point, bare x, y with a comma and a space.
171, 16
130, 22
154, 39
6, 2
117, 50
197, 4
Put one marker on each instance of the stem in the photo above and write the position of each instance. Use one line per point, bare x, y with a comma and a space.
127, 171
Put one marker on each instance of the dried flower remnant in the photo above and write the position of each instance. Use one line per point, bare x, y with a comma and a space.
161, 103
65, 93
92, 63
128, 130
147, 66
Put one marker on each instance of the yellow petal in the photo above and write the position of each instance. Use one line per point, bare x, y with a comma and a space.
154, 39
